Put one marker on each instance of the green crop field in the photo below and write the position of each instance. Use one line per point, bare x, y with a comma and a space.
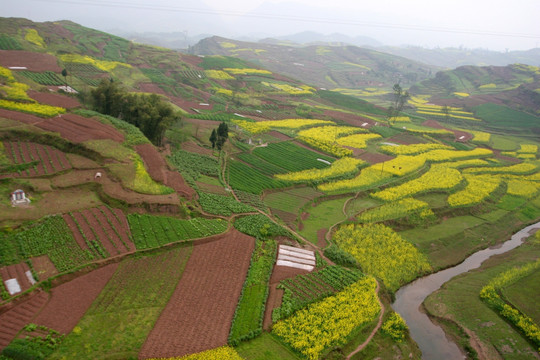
291, 157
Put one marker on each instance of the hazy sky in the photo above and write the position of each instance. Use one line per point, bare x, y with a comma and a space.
493, 24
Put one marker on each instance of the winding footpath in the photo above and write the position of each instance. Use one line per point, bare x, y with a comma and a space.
374, 331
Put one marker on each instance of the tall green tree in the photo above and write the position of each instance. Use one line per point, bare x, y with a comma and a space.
213, 138
222, 135
400, 97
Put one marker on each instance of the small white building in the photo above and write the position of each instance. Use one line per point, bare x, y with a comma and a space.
18, 197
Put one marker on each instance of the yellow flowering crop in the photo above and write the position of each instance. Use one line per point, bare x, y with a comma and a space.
218, 74
394, 210
37, 109
339, 167
330, 133
401, 165
33, 37
13, 89
262, 126
327, 323
466, 163
441, 155
528, 149
292, 90
439, 177
358, 141
327, 146
100, 64
412, 149
523, 168
461, 94
143, 183
367, 178
6, 74
523, 188
382, 252
478, 188
480, 136
235, 71
221, 353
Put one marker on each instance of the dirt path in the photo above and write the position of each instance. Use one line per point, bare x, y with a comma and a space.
379, 324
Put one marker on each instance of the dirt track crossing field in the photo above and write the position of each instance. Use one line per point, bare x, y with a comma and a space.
199, 314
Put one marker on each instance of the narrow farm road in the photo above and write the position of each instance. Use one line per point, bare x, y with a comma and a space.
379, 324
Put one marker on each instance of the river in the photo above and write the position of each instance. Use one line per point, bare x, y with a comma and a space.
430, 338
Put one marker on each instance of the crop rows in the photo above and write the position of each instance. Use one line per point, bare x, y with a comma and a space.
251, 199
44, 78
264, 166
259, 226
50, 237
37, 159
291, 157
412, 149
382, 252
193, 74
9, 43
328, 323
303, 290
191, 165
153, 231
245, 178
293, 124
85, 70
248, 317
222, 205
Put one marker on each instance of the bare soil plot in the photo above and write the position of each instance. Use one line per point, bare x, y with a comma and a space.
199, 314
33, 61
77, 128
69, 301
374, 158
151, 88
15, 318
461, 136
54, 99
351, 119
44, 267
49, 160
195, 148
19, 116
153, 161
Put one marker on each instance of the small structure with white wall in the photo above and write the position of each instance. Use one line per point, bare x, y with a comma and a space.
18, 197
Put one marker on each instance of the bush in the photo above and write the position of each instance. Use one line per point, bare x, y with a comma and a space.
340, 257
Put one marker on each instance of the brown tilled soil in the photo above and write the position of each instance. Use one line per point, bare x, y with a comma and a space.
188, 105
33, 61
350, 119
44, 267
14, 319
18, 116
77, 128
374, 158
461, 136
151, 88
199, 314
54, 99
288, 217
279, 135
69, 301
321, 238
193, 147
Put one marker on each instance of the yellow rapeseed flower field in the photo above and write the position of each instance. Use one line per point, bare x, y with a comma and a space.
339, 167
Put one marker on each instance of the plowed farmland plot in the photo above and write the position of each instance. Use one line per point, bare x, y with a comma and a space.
54, 99
16, 318
69, 301
19, 275
101, 231
118, 321
33, 61
154, 231
37, 159
77, 129
199, 314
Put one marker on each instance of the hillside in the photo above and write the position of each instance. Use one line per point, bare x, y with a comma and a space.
345, 67
178, 204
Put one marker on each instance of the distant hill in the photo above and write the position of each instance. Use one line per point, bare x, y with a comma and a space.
455, 57
343, 66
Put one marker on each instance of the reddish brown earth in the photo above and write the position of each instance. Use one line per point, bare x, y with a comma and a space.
279, 135
16, 271
304, 216
109, 245
151, 88
75, 231
350, 119
404, 139
33, 61
195, 148
188, 105
77, 128
14, 319
19, 116
54, 99
374, 158
288, 217
153, 161
321, 238
44, 267
69, 301
199, 314
214, 189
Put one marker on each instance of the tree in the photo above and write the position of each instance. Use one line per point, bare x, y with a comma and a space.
222, 135
65, 74
400, 97
213, 138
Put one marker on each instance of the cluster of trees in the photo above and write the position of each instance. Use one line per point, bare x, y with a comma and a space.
150, 113
219, 136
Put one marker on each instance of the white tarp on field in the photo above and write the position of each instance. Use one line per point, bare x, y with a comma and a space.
297, 254
12, 286
30, 277
295, 259
294, 265
291, 248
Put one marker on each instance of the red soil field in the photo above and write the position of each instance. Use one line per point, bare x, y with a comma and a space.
460, 136
158, 170
18, 116
195, 148
16, 271
14, 319
199, 314
33, 61
374, 158
44, 267
77, 129
187, 105
54, 99
350, 119
69, 301
151, 88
